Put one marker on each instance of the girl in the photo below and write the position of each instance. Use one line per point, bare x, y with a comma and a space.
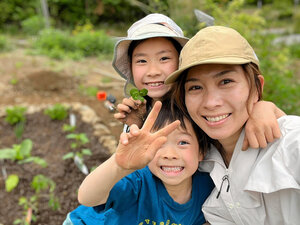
217, 84
149, 54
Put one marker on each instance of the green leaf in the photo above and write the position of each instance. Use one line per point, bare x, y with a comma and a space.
134, 92
11, 182
7, 153
143, 92
26, 147
86, 151
68, 156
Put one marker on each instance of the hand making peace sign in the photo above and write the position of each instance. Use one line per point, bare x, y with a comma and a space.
138, 147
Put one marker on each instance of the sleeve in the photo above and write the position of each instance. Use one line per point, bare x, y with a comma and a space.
280, 161
125, 191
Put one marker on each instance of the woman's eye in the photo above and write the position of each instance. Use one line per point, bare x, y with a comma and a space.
226, 81
195, 87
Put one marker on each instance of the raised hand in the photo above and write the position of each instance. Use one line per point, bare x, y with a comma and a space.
131, 112
138, 147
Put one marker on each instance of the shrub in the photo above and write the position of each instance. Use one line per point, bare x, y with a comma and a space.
33, 25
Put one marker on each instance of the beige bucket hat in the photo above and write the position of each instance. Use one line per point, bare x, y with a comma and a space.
153, 25
214, 45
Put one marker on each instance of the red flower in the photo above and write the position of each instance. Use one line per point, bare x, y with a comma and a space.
101, 95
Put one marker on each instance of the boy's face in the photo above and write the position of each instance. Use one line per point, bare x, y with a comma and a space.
177, 160
152, 62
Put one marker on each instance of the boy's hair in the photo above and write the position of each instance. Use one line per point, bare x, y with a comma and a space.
170, 112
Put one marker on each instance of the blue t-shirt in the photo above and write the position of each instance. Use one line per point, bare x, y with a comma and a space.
141, 198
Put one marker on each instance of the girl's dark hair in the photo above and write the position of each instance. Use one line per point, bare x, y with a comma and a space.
169, 113
134, 44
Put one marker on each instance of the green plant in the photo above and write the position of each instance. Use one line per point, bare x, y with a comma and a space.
21, 153
30, 209
39, 183
78, 151
79, 141
68, 128
33, 25
11, 182
15, 115
138, 94
4, 44
57, 112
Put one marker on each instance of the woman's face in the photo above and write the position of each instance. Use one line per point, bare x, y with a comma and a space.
152, 62
216, 99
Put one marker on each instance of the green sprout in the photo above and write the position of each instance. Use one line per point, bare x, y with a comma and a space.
138, 94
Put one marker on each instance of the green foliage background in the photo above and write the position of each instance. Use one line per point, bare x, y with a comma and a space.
85, 28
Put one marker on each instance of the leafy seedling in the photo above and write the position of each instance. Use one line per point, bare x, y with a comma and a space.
138, 94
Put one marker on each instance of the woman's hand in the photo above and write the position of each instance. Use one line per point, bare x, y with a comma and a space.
131, 112
138, 147
262, 126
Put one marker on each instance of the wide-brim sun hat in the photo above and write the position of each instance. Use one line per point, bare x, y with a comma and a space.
153, 25
214, 45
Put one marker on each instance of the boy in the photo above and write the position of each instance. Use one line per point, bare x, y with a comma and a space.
168, 189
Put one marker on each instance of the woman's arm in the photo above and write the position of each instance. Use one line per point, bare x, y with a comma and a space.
262, 127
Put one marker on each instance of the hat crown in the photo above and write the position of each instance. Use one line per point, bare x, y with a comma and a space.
154, 18
217, 43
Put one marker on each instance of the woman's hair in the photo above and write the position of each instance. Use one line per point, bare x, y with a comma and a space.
169, 113
251, 72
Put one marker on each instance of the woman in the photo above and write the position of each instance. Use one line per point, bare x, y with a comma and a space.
217, 84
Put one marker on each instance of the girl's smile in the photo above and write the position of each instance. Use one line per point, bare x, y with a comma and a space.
153, 61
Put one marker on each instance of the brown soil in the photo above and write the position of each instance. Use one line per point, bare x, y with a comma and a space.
40, 80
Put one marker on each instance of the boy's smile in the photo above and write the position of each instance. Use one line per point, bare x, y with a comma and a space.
177, 160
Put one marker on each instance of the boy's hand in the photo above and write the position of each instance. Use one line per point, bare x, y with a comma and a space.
262, 126
138, 147
131, 112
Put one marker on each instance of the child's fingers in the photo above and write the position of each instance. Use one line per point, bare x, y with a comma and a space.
130, 103
124, 138
119, 116
134, 130
152, 116
155, 146
252, 141
261, 139
245, 144
276, 131
123, 108
269, 134
168, 129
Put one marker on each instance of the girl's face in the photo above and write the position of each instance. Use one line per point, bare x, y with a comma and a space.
177, 160
216, 98
152, 62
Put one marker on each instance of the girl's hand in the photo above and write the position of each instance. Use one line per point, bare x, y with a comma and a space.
262, 127
138, 147
131, 112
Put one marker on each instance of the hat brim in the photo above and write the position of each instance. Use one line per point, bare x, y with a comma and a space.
224, 60
121, 62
